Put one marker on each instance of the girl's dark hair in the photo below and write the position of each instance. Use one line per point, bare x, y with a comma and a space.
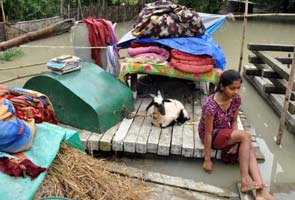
227, 78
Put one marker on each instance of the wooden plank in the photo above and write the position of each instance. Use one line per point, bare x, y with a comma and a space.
271, 99
276, 90
291, 107
270, 47
142, 139
93, 142
152, 145
270, 73
188, 141
105, 143
252, 70
199, 147
164, 192
256, 60
188, 135
176, 141
281, 69
118, 140
281, 83
84, 135
131, 137
164, 141
169, 180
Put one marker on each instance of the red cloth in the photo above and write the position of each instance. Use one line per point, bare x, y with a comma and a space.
23, 168
191, 63
221, 142
99, 35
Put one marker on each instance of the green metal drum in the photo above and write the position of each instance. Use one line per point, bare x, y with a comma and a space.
90, 99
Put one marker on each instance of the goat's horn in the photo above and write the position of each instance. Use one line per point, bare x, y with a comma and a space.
159, 93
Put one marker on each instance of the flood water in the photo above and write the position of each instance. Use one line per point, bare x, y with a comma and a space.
280, 160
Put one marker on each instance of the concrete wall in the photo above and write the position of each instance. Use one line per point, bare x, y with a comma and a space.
21, 28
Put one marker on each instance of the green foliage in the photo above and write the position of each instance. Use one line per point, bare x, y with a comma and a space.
31, 9
282, 6
208, 6
11, 54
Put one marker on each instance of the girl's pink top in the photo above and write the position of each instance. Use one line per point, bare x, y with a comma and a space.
221, 119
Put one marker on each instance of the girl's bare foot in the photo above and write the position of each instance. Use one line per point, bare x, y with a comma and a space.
263, 194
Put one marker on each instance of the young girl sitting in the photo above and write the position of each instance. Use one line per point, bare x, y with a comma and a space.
218, 130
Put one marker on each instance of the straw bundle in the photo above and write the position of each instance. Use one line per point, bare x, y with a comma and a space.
76, 175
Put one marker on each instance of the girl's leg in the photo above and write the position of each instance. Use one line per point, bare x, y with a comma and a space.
253, 168
244, 152
256, 176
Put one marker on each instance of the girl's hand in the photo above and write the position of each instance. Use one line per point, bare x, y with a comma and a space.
208, 166
233, 150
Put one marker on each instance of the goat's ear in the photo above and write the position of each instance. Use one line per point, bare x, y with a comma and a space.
152, 95
159, 93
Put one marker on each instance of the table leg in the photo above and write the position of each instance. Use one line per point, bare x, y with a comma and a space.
133, 84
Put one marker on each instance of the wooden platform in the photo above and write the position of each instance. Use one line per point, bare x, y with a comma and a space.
269, 75
137, 135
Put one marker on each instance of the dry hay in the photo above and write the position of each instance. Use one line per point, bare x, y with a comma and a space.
76, 175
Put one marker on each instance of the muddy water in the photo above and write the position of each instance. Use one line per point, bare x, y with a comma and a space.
280, 160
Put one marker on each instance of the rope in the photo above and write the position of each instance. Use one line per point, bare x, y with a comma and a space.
21, 66
60, 47
20, 77
133, 115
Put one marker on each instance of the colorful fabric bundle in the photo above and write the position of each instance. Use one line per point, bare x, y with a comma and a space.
29, 104
191, 63
166, 19
15, 134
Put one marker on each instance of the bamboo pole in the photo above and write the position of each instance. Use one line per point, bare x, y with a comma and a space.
20, 77
4, 19
61, 8
286, 102
21, 66
265, 15
243, 36
78, 10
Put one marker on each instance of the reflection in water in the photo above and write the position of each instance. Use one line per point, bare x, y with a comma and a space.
280, 160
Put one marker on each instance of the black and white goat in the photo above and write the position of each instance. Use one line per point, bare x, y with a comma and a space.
166, 112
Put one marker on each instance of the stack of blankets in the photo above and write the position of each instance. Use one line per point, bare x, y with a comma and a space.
64, 64
166, 22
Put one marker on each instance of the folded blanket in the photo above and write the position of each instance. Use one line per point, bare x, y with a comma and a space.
149, 51
191, 63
